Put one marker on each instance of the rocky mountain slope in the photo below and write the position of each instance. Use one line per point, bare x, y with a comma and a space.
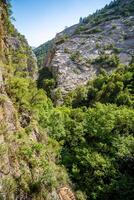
104, 40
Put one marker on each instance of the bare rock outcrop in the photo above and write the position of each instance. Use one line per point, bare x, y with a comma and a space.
114, 38
76, 59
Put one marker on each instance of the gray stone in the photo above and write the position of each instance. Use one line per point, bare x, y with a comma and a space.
70, 74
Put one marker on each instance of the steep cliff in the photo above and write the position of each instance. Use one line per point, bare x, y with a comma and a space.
28, 157
103, 40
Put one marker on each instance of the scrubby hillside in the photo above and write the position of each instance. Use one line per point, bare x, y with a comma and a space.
28, 157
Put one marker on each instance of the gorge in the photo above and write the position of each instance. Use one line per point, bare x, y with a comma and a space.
66, 109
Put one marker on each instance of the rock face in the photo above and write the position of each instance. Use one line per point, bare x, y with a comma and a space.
9, 123
21, 175
66, 194
79, 47
71, 73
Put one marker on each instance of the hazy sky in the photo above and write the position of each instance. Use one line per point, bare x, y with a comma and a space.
40, 20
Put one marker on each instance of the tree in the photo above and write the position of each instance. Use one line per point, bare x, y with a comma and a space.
81, 20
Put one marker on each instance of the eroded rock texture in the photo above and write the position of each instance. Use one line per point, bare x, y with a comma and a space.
109, 32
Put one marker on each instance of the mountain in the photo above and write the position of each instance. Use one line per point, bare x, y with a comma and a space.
103, 40
64, 136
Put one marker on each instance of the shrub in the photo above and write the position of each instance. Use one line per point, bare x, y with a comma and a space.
48, 85
95, 30
107, 61
114, 26
3, 99
62, 39
76, 56
116, 50
97, 45
66, 50
89, 61
80, 29
125, 36
128, 23
108, 46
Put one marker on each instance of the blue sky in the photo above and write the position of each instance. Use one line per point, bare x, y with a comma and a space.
40, 20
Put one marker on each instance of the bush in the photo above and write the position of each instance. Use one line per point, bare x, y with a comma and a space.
80, 29
114, 26
107, 61
66, 50
125, 36
115, 88
95, 30
76, 56
62, 39
48, 85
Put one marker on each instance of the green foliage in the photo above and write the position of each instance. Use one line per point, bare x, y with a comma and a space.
48, 85
80, 195
107, 60
76, 98
125, 36
114, 26
9, 187
24, 112
115, 88
42, 51
66, 50
57, 96
93, 31
80, 29
43, 174
112, 47
62, 39
97, 45
97, 145
28, 99
108, 47
128, 23
116, 50
114, 10
76, 56
91, 135
46, 80
3, 99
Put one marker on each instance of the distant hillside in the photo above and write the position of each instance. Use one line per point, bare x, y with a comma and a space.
42, 51
103, 40
114, 10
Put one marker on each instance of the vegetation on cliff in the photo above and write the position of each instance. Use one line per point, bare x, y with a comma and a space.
88, 141
29, 158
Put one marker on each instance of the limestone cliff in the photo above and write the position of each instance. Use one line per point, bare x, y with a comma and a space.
104, 40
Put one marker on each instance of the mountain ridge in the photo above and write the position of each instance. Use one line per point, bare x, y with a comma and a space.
77, 48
